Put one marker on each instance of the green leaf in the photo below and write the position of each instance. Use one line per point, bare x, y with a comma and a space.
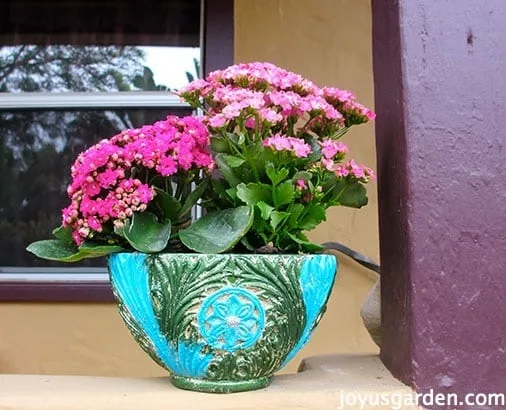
277, 218
241, 139
233, 137
275, 175
193, 197
252, 151
307, 245
226, 171
339, 133
284, 193
247, 244
315, 150
253, 193
354, 196
265, 209
169, 205
163, 183
315, 214
145, 234
233, 161
232, 193
94, 249
63, 233
295, 212
219, 144
56, 250
218, 231
304, 175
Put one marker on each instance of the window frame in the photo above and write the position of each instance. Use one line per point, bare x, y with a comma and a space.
92, 284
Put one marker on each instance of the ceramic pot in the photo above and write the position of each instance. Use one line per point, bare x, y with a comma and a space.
221, 323
371, 313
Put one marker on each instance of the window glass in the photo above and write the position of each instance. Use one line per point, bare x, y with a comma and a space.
37, 149
71, 68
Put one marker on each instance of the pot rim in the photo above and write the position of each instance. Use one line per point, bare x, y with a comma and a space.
227, 254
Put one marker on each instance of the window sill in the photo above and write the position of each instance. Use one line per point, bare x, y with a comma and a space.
55, 291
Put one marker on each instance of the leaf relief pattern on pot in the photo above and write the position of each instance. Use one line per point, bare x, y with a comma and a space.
231, 319
316, 280
130, 281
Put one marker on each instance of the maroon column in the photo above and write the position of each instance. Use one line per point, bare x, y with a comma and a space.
440, 83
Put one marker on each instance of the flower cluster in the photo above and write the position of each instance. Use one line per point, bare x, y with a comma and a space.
332, 151
345, 102
278, 137
283, 107
268, 94
352, 169
110, 181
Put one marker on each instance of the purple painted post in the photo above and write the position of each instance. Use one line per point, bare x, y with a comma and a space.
440, 83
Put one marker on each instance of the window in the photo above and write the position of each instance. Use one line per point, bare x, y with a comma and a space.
82, 73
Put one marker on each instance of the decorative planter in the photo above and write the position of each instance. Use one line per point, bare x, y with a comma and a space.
221, 323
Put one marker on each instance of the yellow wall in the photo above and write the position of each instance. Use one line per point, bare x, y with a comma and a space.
329, 42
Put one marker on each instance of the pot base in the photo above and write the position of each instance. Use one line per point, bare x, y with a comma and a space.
214, 386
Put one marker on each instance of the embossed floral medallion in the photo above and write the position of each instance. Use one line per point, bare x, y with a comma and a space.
221, 323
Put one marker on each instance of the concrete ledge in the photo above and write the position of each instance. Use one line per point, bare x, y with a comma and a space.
322, 383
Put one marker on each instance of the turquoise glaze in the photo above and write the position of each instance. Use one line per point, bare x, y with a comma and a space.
316, 280
221, 323
231, 319
132, 289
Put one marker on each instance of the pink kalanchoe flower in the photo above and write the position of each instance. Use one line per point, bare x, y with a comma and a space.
66, 216
269, 115
328, 164
94, 223
301, 184
282, 143
196, 88
278, 143
331, 148
78, 239
355, 169
144, 193
361, 172
250, 123
300, 148
369, 172
288, 101
217, 121
108, 178
341, 171
232, 111
333, 93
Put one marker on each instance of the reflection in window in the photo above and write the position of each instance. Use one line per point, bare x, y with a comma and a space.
75, 46
37, 149
68, 68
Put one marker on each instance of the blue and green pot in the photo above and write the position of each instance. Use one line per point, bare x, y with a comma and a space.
221, 323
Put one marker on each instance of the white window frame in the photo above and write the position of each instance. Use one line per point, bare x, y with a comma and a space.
90, 100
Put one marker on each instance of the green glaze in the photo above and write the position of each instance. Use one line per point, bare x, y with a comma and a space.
225, 386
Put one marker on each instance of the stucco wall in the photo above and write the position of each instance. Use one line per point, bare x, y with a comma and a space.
325, 40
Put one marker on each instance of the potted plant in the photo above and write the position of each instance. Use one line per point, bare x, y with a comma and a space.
226, 300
